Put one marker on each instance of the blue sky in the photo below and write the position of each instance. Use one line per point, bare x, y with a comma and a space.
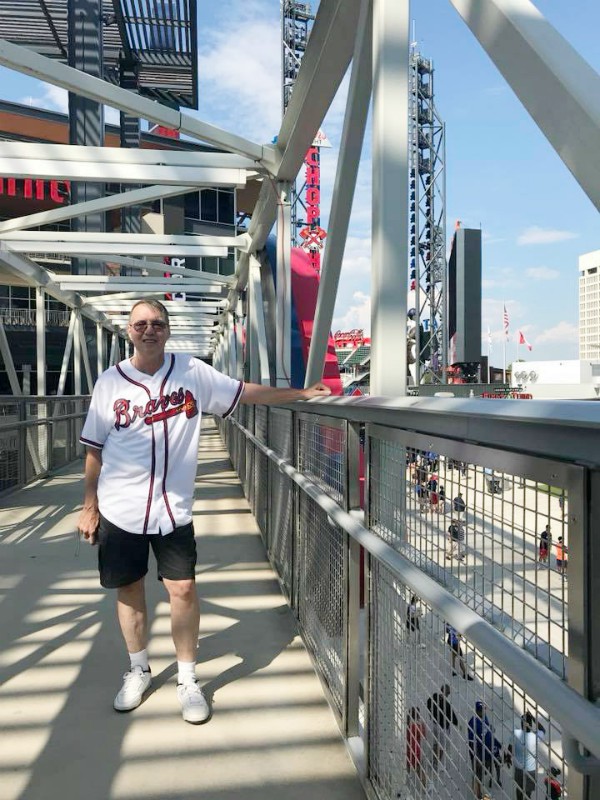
502, 174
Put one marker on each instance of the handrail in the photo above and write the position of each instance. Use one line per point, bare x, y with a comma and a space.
579, 717
565, 430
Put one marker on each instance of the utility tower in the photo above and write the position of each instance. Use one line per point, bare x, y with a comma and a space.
427, 225
297, 20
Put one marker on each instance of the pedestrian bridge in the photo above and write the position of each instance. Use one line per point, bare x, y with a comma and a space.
351, 501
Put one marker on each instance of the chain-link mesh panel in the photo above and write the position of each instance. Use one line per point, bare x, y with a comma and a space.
444, 722
261, 471
320, 548
498, 541
281, 493
241, 413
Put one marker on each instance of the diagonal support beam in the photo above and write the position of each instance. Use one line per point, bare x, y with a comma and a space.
355, 120
134, 197
555, 84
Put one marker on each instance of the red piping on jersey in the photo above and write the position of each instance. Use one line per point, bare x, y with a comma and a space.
153, 464
231, 408
166, 431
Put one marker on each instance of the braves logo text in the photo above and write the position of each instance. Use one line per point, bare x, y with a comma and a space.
169, 405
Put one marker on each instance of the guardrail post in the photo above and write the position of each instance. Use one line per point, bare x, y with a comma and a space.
353, 554
584, 595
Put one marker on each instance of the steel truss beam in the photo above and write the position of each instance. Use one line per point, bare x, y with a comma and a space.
126, 239
90, 171
30, 63
75, 248
161, 267
357, 108
206, 159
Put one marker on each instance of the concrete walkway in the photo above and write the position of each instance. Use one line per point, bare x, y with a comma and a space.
272, 734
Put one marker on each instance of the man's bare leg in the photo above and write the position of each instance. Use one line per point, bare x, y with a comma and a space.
185, 617
185, 624
131, 610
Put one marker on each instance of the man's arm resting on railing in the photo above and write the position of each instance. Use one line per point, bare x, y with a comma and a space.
255, 394
89, 517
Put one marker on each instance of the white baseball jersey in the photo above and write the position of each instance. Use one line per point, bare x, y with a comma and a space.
148, 427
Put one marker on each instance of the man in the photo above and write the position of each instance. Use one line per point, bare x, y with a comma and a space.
141, 435
456, 538
525, 754
453, 638
544, 544
459, 504
481, 748
442, 716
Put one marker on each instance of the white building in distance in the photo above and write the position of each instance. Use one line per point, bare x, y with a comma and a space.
589, 306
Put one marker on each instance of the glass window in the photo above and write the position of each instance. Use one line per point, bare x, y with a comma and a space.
210, 264
226, 207
192, 205
227, 265
208, 205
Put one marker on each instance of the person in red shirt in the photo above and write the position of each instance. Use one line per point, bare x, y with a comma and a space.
415, 733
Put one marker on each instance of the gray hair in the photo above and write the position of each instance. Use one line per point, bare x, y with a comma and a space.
155, 304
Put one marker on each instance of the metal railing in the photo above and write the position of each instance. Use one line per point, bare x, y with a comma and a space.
27, 317
407, 538
38, 435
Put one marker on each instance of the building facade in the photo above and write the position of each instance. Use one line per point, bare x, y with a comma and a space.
589, 305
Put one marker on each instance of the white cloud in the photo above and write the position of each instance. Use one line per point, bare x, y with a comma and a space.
537, 235
241, 85
542, 273
358, 315
563, 332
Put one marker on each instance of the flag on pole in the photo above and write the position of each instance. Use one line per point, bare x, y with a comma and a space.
523, 340
505, 319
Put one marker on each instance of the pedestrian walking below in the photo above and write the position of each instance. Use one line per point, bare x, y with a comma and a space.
481, 749
524, 753
442, 717
413, 619
459, 504
415, 736
453, 638
545, 542
562, 557
455, 540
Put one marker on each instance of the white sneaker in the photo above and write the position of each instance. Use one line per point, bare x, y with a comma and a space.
194, 707
135, 683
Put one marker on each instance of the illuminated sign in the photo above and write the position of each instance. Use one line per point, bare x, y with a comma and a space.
36, 189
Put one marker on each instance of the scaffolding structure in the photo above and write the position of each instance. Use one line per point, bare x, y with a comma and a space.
427, 225
296, 24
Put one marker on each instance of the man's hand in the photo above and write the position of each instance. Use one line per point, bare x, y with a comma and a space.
316, 390
87, 524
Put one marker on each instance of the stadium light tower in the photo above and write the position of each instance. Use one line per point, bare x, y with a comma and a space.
305, 202
427, 225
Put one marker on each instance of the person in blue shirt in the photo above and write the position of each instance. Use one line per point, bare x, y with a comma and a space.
524, 755
481, 748
453, 638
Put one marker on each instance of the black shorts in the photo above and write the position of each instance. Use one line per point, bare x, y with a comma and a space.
123, 556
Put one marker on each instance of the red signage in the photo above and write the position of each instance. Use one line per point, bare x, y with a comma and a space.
313, 234
36, 189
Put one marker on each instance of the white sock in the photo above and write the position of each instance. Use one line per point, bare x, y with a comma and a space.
186, 671
140, 660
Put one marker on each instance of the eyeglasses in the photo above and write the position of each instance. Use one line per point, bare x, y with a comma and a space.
156, 325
